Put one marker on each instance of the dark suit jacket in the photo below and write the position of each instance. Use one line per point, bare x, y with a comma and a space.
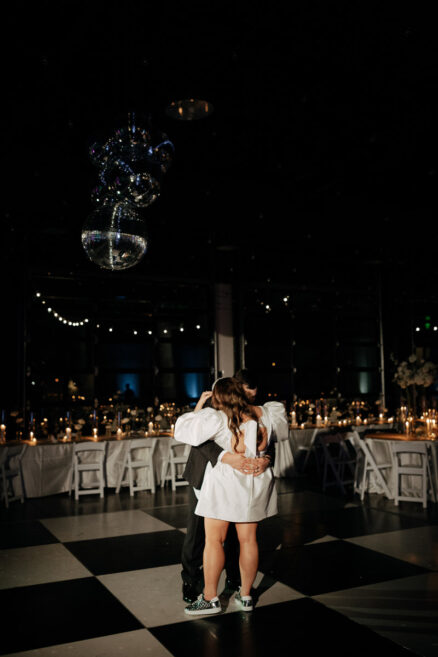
201, 455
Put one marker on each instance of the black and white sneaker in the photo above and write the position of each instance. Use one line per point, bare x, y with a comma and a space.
201, 606
245, 601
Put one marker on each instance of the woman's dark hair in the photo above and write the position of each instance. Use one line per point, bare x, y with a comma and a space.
229, 397
247, 378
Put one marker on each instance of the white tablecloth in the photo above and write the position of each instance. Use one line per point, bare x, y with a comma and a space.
47, 468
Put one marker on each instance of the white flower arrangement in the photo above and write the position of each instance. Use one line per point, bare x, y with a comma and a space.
416, 372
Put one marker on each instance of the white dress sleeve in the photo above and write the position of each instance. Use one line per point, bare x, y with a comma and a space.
196, 428
277, 414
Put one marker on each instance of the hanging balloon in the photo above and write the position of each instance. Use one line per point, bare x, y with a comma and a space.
135, 144
114, 235
120, 180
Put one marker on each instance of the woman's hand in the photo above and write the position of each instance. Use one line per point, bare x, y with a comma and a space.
202, 399
246, 465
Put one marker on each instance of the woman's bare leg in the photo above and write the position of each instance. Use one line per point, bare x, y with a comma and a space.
249, 554
214, 555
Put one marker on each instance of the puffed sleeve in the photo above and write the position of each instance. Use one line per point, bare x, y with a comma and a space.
196, 428
277, 414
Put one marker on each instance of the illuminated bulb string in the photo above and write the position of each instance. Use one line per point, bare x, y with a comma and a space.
82, 322
61, 318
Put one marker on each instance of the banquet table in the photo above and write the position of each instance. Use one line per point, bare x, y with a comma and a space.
47, 466
303, 438
380, 448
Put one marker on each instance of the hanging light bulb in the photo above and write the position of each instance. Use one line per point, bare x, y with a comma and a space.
189, 109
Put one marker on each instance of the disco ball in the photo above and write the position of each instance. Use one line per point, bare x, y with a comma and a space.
114, 235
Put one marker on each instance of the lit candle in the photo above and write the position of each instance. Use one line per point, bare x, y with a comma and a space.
318, 420
2, 432
380, 417
68, 433
303, 425
172, 428
94, 434
326, 420
150, 428
358, 420
407, 427
294, 419
32, 437
119, 434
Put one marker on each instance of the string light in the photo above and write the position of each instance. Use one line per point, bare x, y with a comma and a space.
61, 318
82, 322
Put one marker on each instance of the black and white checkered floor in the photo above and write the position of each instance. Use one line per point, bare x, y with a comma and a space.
102, 578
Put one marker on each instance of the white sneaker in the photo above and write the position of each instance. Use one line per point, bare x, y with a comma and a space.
245, 601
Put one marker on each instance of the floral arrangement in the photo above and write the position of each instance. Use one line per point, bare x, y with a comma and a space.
415, 372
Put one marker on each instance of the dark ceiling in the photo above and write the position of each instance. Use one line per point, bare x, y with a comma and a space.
323, 144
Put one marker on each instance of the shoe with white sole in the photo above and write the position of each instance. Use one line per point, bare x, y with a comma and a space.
201, 606
245, 601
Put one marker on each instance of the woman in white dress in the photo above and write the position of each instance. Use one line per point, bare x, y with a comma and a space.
228, 495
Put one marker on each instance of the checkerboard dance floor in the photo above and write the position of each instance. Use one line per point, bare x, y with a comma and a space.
102, 578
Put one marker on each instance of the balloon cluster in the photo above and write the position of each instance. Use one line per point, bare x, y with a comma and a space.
131, 164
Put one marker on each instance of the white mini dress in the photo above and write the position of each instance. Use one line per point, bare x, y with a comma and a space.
226, 493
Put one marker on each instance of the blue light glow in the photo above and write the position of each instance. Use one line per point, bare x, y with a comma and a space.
365, 382
193, 382
132, 379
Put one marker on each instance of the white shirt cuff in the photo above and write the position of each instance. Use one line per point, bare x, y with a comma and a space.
219, 458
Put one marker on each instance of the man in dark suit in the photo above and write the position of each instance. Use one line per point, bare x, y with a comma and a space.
193, 546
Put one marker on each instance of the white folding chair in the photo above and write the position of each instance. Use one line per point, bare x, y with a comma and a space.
89, 458
366, 464
177, 456
139, 454
414, 467
284, 461
309, 449
10, 470
338, 465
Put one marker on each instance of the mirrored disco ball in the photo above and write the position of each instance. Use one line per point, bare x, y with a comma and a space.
114, 235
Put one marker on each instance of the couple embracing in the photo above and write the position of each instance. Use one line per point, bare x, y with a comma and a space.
230, 470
